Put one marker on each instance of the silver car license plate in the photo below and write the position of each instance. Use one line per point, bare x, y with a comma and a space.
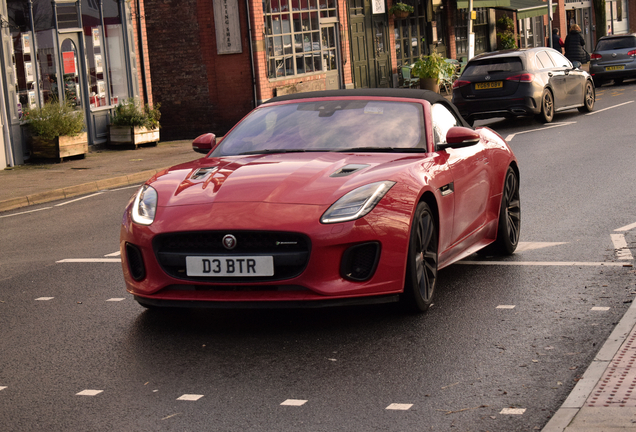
236, 266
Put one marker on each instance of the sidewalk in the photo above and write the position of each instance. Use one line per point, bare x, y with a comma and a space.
604, 400
31, 184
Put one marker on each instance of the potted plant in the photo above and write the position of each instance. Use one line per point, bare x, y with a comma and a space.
134, 124
56, 131
401, 10
429, 68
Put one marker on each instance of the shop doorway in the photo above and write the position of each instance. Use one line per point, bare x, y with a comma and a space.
71, 82
581, 16
369, 46
330, 43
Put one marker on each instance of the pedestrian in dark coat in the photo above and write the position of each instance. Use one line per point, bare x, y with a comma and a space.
575, 45
557, 42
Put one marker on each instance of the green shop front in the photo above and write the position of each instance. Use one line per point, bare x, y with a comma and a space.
65, 51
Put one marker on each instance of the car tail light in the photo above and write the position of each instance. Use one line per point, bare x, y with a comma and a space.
526, 77
460, 83
595, 56
632, 53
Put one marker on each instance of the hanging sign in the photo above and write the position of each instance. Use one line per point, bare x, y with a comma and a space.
69, 62
228, 27
378, 6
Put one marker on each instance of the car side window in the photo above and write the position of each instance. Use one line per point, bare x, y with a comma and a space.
443, 120
545, 60
560, 60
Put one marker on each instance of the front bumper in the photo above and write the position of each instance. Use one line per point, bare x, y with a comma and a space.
320, 280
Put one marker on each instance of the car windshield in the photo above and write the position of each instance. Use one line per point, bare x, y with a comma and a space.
616, 44
332, 125
493, 65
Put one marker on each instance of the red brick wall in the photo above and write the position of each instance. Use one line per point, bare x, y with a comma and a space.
631, 6
199, 91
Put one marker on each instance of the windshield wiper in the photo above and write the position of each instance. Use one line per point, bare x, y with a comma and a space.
383, 150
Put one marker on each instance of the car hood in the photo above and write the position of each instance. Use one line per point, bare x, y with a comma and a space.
292, 178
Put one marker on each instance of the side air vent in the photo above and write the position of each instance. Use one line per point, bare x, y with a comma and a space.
348, 169
202, 172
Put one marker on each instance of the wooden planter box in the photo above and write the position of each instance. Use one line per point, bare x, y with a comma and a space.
60, 147
128, 135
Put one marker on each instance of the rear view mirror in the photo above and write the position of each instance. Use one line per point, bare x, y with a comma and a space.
204, 143
458, 137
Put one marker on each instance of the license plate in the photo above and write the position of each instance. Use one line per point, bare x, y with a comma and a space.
609, 68
488, 85
238, 266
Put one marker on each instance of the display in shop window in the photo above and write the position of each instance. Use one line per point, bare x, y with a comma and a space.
98, 63
26, 43
95, 34
28, 71
32, 101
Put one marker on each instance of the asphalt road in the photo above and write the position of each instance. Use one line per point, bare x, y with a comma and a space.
500, 349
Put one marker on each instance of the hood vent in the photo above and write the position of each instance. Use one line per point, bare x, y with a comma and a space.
348, 169
202, 172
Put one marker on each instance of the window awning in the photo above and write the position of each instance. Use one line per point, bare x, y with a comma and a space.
528, 8
463, 4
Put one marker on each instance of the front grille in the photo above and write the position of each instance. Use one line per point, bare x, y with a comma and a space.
290, 252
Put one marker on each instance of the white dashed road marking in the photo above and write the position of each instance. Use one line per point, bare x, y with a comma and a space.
600, 308
542, 263
513, 411
25, 212
506, 307
44, 298
553, 125
114, 254
3, 387
117, 299
89, 393
78, 199
626, 227
621, 248
608, 108
89, 260
400, 407
294, 402
526, 246
190, 397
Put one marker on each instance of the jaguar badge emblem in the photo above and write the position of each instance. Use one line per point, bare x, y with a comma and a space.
229, 242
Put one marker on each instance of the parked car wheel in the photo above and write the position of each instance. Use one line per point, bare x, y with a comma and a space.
421, 269
589, 97
547, 107
598, 82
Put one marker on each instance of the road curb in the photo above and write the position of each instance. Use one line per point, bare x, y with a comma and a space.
81, 189
579, 395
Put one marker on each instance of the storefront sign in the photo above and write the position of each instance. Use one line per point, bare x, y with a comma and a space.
69, 62
228, 27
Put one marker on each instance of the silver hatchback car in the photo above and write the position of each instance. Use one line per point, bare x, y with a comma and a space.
614, 59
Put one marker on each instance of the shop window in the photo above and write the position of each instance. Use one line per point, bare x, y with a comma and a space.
480, 28
105, 55
293, 35
410, 36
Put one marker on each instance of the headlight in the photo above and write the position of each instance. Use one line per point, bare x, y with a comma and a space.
145, 205
356, 203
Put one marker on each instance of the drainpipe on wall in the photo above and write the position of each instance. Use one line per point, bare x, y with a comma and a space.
141, 53
34, 62
249, 33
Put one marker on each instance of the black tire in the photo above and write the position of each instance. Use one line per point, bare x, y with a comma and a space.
598, 82
421, 266
618, 81
509, 224
588, 98
547, 107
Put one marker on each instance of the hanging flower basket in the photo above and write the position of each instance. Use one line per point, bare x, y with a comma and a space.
400, 14
401, 10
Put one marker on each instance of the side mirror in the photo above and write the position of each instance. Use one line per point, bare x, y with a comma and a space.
576, 64
204, 143
458, 137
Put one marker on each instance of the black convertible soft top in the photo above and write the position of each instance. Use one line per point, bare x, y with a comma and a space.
426, 95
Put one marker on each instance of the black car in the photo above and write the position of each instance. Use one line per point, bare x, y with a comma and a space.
614, 59
511, 83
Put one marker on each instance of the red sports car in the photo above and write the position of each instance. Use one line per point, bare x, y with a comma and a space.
325, 198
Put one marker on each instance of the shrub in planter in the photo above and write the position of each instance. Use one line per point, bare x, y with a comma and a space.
56, 131
428, 69
134, 124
